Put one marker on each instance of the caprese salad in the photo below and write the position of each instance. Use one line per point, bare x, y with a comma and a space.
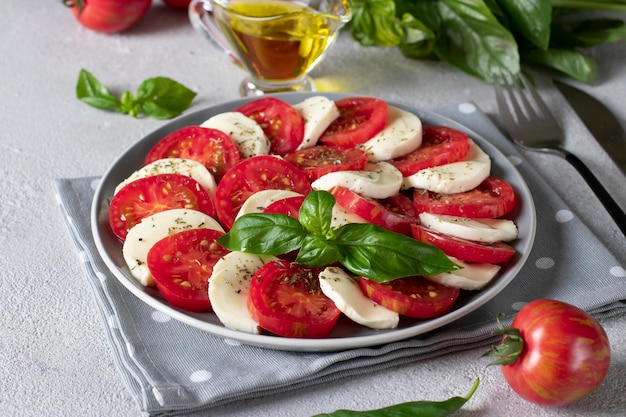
279, 218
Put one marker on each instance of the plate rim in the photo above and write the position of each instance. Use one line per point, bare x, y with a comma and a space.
326, 344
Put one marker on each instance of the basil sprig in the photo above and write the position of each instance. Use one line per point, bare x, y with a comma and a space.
412, 409
158, 97
363, 249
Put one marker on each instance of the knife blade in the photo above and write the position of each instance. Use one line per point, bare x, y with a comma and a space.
599, 120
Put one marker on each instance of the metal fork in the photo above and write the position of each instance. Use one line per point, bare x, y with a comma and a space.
532, 126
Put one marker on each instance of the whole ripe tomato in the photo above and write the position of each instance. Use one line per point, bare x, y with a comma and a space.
108, 16
177, 4
554, 353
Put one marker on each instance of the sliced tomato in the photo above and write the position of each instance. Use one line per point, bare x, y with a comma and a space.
320, 160
388, 215
211, 147
494, 197
289, 206
182, 264
280, 121
147, 196
412, 297
285, 298
463, 249
359, 119
263, 172
440, 145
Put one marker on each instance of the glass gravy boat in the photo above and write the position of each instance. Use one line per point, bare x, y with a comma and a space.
278, 42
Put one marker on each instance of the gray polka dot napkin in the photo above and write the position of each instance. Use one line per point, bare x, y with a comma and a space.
172, 368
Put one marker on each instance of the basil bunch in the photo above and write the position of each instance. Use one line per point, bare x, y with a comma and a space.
485, 37
363, 249
158, 97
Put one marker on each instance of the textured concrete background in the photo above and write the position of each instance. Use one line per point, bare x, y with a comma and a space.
55, 360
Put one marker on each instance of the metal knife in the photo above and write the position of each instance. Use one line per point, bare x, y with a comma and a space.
599, 120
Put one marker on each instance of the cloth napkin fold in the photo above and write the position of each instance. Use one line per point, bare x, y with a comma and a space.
172, 368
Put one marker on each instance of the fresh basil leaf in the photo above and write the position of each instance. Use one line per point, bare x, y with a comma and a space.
585, 33
530, 18
91, 91
163, 98
264, 234
380, 255
129, 104
570, 62
316, 212
316, 251
412, 409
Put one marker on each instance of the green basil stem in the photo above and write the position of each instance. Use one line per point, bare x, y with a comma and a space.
609, 6
412, 409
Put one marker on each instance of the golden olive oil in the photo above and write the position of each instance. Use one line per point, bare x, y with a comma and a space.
276, 40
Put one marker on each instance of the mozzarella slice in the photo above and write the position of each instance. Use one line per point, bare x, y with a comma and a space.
350, 300
470, 277
402, 134
342, 216
318, 113
245, 132
229, 286
379, 180
188, 167
144, 235
259, 201
456, 177
479, 230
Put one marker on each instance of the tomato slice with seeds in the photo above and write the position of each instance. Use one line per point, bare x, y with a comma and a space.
211, 147
289, 206
359, 119
263, 172
494, 197
320, 160
147, 196
280, 121
440, 145
388, 214
414, 297
285, 299
182, 264
463, 249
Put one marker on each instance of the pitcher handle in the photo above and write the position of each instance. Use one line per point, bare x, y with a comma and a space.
201, 17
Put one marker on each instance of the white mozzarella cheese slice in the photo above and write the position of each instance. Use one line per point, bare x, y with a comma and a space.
188, 167
456, 177
229, 286
402, 134
150, 230
342, 216
378, 180
245, 132
472, 276
345, 292
479, 230
318, 113
259, 201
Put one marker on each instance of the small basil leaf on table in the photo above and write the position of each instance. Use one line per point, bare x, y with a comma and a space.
94, 93
382, 256
163, 98
411, 409
264, 234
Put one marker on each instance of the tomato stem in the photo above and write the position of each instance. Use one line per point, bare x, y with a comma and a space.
509, 349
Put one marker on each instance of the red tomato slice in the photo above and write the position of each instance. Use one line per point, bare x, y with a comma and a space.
147, 196
282, 123
412, 297
289, 206
319, 160
182, 264
440, 145
285, 298
388, 215
359, 119
212, 148
254, 174
465, 250
494, 197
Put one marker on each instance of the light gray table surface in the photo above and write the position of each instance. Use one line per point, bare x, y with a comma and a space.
54, 359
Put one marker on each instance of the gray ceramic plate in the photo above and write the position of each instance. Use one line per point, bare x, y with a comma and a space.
346, 335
